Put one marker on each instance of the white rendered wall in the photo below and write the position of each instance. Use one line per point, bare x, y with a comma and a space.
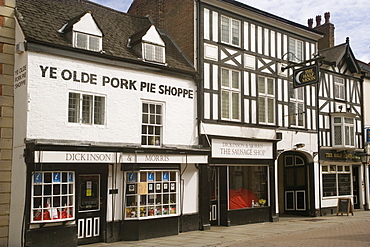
190, 188
48, 102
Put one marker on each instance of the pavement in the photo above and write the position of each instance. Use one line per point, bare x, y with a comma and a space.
332, 230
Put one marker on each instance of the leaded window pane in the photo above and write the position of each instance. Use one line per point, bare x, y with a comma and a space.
74, 108
87, 105
225, 105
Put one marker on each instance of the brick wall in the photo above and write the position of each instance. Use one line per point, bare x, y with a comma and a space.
6, 112
175, 17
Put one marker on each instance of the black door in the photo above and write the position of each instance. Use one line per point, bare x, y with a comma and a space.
214, 204
295, 184
356, 187
91, 206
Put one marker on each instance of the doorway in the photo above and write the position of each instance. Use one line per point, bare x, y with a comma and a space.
293, 184
90, 210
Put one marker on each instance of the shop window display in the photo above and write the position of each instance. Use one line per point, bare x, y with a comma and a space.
248, 186
52, 196
151, 194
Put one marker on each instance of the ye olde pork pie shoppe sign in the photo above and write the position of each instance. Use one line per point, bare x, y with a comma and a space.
241, 149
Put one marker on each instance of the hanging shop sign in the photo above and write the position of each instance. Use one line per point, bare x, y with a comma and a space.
305, 76
368, 135
241, 149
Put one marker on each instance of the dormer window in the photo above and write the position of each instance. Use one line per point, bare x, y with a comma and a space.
84, 33
87, 41
148, 44
153, 53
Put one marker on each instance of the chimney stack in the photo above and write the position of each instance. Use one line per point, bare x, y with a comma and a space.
327, 28
310, 22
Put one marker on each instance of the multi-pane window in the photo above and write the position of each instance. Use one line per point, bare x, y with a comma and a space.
152, 123
339, 90
86, 109
151, 194
230, 94
296, 106
266, 100
343, 131
87, 41
295, 50
154, 53
230, 31
336, 180
52, 196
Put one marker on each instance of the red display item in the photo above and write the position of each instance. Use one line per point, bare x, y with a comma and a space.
241, 198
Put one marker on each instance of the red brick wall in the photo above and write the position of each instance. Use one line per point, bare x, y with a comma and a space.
175, 17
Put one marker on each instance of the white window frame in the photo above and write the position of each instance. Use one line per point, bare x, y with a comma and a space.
46, 210
230, 93
157, 185
152, 124
296, 106
335, 169
77, 112
154, 53
229, 34
295, 50
343, 131
87, 43
339, 88
266, 95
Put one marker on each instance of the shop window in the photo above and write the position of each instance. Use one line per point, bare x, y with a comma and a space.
248, 186
151, 124
53, 196
295, 50
336, 180
343, 132
151, 194
86, 109
296, 106
230, 94
230, 31
266, 100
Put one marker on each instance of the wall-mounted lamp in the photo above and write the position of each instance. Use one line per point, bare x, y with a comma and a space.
300, 145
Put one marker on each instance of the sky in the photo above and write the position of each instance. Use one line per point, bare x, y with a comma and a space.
351, 18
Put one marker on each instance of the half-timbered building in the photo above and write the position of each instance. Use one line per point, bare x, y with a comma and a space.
269, 136
105, 134
340, 118
262, 131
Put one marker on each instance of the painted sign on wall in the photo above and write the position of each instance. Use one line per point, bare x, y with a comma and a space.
241, 149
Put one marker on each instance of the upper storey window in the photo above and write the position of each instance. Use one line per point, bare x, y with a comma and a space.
230, 31
84, 33
154, 53
149, 44
295, 50
87, 41
339, 89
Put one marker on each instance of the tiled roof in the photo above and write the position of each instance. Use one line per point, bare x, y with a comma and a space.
40, 21
341, 52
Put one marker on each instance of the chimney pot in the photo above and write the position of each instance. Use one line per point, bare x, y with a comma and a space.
310, 22
327, 17
318, 20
